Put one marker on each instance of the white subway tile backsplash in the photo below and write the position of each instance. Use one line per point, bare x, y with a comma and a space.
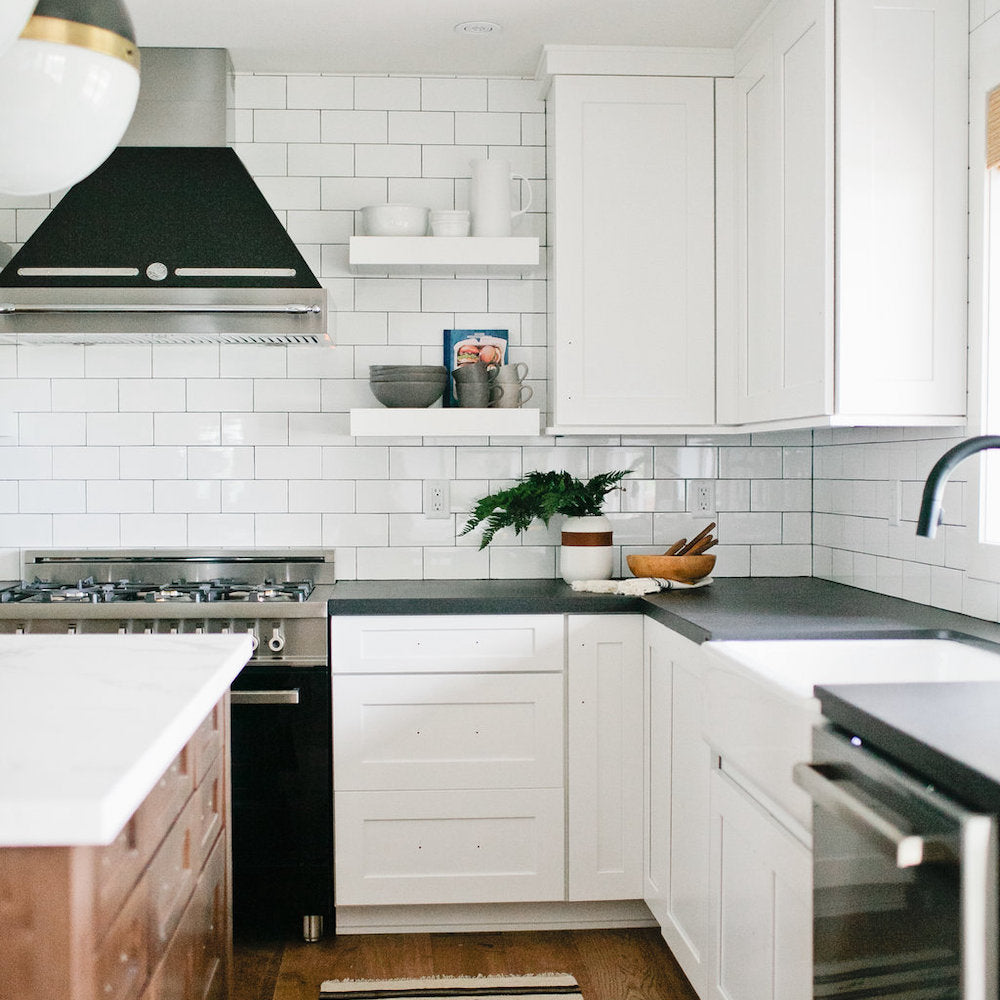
85, 463
442, 295
118, 361
286, 193
52, 429
352, 193
52, 496
422, 463
154, 463
487, 128
323, 495
453, 94
288, 126
420, 127
220, 463
188, 361
451, 161
362, 530
287, 395
153, 394
121, 428
514, 95
26, 531
119, 496
443, 563
432, 192
153, 531
264, 159
328, 161
212, 395
387, 93
389, 496
355, 126
320, 226
415, 529
483, 463
253, 90
184, 428
213, 531
249, 496
394, 563
685, 463
320, 92
387, 161
173, 496
276, 530
288, 463
387, 295
88, 530
50, 361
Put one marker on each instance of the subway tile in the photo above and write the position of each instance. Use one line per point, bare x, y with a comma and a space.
323, 495
26, 530
441, 295
288, 463
355, 126
750, 528
396, 160
153, 394
533, 129
653, 495
320, 92
52, 429
118, 360
287, 395
450, 161
390, 563
422, 127
780, 560
356, 529
154, 463
121, 496
259, 90
223, 462
684, 463
458, 94
481, 463
220, 530
385, 496
416, 529
8, 505
120, 428
796, 528
421, 463
552, 458
214, 395
780, 494
85, 463
286, 193
26, 394
250, 496
52, 496
172, 496
522, 562
326, 362
318, 428
264, 159
186, 428
326, 160
387, 294
750, 463
50, 361
487, 128
154, 530
182, 361
353, 193
387, 93
287, 126
251, 361
434, 192
522, 295
320, 226
514, 95
443, 563
86, 530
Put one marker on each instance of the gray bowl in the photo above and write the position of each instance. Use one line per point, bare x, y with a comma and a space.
403, 370
407, 377
413, 394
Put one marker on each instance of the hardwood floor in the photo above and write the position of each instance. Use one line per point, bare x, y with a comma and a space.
631, 964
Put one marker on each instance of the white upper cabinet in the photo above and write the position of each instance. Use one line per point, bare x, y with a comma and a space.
849, 299
632, 269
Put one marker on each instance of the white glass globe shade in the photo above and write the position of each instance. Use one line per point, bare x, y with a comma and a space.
14, 16
64, 110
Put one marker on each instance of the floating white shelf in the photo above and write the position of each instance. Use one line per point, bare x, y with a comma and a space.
439, 421
443, 254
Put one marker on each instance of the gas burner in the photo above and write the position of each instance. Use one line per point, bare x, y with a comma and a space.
88, 591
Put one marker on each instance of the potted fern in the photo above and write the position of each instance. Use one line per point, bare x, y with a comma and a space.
586, 552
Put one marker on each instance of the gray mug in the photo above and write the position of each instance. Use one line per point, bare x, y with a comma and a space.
514, 395
475, 392
515, 371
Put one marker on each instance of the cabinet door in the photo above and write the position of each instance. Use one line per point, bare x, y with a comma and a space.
631, 222
678, 765
777, 362
761, 902
604, 681
902, 156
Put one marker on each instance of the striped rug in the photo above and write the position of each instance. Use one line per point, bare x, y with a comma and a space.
548, 986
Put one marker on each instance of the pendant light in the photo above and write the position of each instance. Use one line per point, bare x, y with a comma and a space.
14, 16
69, 85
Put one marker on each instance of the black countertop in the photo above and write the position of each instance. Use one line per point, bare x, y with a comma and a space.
948, 733
730, 608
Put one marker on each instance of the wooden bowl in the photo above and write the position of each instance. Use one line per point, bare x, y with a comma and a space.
683, 569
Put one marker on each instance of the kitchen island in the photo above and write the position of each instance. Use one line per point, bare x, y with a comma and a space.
114, 842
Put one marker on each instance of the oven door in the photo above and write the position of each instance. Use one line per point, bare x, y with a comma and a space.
904, 882
282, 752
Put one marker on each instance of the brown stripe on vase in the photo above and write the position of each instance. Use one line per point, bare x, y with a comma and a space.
586, 537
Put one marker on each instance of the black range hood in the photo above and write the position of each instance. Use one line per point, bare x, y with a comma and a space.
162, 243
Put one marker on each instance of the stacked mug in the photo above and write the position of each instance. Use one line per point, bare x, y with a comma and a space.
477, 384
510, 378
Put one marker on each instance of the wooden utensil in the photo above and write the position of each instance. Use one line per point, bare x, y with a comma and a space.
703, 546
686, 550
676, 547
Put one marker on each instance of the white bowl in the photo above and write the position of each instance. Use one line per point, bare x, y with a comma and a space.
394, 220
448, 222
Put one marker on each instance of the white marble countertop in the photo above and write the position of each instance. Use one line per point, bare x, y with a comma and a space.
89, 723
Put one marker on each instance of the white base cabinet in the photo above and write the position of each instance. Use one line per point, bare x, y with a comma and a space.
761, 901
604, 763
450, 779
677, 770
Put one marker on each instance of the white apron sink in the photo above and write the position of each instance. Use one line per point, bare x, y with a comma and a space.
760, 708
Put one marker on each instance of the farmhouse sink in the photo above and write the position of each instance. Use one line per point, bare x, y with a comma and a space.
760, 709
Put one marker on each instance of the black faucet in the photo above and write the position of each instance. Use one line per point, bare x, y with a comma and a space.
930, 502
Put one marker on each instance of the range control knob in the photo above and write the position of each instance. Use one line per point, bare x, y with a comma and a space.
277, 641
254, 641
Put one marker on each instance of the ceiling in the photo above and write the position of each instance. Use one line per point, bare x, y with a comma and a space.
418, 37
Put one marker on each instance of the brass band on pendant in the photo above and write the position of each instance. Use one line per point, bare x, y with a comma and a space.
85, 36
586, 538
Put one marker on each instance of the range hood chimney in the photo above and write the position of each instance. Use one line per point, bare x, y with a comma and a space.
169, 240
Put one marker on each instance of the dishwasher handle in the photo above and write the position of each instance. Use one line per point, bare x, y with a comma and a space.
829, 787
286, 697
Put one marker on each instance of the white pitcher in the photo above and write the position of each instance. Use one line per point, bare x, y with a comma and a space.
489, 197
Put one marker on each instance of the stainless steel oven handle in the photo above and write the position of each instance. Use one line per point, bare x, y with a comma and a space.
909, 849
289, 697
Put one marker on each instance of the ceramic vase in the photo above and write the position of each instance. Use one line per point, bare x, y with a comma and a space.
586, 552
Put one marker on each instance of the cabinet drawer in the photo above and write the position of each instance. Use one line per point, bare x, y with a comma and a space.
440, 643
122, 862
208, 818
449, 847
121, 964
171, 876
193, 967
206, 744
448, 731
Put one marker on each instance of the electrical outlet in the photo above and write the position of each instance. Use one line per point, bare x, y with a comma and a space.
437, 498
701, 496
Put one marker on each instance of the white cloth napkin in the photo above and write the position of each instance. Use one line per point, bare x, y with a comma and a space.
636, 586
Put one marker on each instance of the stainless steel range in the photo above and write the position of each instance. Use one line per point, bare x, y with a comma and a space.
281, 718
